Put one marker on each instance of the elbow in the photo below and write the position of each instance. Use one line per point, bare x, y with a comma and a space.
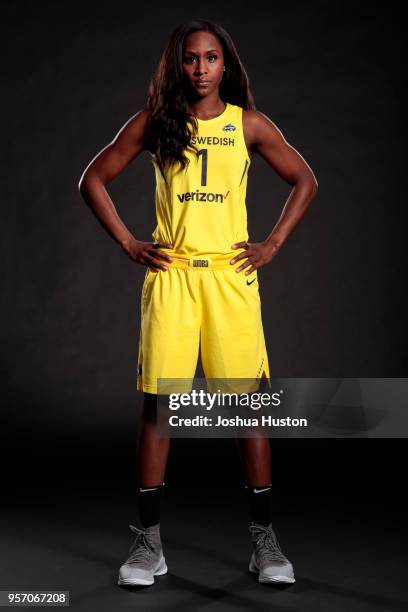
315, 187
82, 184
311, 186
85, 189
312, 190
86, 183
81, 187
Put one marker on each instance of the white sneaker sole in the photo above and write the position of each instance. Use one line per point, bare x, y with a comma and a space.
162, 569
264, 578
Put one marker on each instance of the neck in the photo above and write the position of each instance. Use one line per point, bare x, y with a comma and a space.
208, 107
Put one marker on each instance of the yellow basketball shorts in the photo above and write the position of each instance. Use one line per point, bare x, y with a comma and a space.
200, 303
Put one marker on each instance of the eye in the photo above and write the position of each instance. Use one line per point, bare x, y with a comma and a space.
212, 56
188, 60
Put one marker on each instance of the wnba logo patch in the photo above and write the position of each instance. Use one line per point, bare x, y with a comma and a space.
229, 127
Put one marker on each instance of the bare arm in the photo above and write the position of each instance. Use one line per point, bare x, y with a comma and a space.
262, 136
130, 141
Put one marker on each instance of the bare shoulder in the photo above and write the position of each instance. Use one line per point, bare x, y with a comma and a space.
259, 128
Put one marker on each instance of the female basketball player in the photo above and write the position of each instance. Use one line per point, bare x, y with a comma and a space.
201, 128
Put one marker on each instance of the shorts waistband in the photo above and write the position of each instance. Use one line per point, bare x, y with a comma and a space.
202, 262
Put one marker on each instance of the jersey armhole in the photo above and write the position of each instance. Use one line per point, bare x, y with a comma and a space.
248, 156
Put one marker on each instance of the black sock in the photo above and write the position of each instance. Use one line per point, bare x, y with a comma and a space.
149, 505
260, 501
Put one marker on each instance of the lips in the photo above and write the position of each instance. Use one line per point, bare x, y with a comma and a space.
202, 83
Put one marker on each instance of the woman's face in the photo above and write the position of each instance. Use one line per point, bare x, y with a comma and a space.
203, 62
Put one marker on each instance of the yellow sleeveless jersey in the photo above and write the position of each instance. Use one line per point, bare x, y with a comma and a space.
201, 210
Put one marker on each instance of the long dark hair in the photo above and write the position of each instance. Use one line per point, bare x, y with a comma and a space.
169, 132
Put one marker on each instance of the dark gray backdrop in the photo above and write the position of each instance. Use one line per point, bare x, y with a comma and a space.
334, 301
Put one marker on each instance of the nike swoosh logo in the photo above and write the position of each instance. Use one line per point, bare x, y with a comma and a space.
250, 283
261, 490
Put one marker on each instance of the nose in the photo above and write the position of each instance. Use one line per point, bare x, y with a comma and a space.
200, 67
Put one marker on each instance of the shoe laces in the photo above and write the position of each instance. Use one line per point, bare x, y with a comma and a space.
142, 548
269, 549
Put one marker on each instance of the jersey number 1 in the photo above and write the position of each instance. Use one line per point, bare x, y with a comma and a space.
204, 153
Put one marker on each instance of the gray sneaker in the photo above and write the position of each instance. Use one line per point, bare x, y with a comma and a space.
146, 559
267, 557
